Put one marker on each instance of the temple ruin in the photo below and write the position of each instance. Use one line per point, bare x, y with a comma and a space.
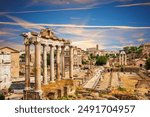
122, 58
47, 40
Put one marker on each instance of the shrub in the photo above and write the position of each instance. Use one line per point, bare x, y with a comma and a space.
2, 97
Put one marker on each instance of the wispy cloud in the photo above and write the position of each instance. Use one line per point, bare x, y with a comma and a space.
48, 10
136, 4
79, 5
60, 2
23, 23
28, 25
87, 44
4, 33
85, 35
76, 2
18, 46
140, 40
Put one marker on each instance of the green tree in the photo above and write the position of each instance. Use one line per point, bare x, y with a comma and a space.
91, 57
147, 64
101, 60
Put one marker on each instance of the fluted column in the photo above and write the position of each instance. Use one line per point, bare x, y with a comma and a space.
27, 66
71, 63
63, 61
58, 62
37, 66
45, 64
52, 63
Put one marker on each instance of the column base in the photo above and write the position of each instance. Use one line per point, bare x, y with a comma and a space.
45, 83
26, 94
63, 78
58, 79
38, 95
27, 88
52, 81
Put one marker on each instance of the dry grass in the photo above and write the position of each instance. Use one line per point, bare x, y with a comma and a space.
57, 85
129, 82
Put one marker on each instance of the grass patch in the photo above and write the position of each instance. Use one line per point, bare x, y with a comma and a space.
121, 88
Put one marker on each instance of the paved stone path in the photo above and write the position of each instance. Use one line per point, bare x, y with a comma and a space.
93, 81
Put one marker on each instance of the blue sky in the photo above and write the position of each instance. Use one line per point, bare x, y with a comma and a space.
112, 24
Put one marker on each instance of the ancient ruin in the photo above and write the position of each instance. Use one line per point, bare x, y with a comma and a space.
45, 39
122, 58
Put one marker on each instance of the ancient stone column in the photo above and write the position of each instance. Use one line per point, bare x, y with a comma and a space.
45, 64
120, 59
27, 66
52, 63
37, 66
63, 61
58, 62
125, 57
71, 62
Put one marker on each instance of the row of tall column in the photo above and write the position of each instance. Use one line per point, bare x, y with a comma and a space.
60, 66
122, 59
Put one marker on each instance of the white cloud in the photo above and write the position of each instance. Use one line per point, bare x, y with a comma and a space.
87, 44
140, 40
135, 4
76, 2
48, 10
85, 36
79, 5
24, 24
3, 43
33, 25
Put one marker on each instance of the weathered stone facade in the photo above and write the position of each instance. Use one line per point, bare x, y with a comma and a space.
77, 57
14, 60
5, 70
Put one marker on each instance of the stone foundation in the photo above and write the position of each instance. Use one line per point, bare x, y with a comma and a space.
32, 95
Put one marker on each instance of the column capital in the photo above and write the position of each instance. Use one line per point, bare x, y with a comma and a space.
71, 46
26, 41
36, 42
51, 45
58, 46
63, 47
44, 45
